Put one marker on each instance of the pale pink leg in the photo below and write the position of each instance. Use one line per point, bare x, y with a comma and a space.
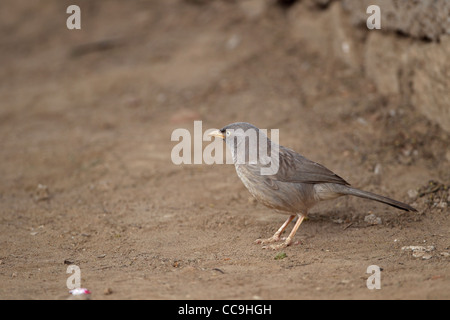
276, 236
289, 239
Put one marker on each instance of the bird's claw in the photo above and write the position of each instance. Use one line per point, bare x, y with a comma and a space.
283, 245
268, 240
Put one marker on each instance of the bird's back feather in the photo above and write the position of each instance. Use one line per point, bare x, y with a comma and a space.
297, 169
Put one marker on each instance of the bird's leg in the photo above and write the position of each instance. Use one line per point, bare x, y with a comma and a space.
288, 240
276, 236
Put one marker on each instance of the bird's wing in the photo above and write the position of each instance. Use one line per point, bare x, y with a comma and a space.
295, 168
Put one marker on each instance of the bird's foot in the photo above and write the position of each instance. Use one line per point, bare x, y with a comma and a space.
288, 242
272, 239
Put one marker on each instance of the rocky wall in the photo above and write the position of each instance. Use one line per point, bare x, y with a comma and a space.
409, 57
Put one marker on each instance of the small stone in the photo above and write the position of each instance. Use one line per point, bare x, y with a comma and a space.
233, 42
345, 47
372, 219
420, 251
442, 205
378, 169
419, 248
107, 291
42, 193
413, 194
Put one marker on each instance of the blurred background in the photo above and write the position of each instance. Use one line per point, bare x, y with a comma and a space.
86, 118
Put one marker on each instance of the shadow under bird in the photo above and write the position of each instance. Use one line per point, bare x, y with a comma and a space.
295, 187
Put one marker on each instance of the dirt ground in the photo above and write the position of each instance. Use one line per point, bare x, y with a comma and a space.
86, 118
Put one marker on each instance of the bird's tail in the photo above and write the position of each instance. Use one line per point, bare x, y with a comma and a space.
346, 190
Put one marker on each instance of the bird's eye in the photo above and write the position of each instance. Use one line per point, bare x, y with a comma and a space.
228, 133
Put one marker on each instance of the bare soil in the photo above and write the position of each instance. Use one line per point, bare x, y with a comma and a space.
86, 118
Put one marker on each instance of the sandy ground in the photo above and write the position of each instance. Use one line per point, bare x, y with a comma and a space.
85, 124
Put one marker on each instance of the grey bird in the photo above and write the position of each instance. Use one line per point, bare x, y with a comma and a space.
295, 186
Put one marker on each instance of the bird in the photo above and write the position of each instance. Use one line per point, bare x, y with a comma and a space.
296, 184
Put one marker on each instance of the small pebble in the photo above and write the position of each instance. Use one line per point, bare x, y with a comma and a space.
107, 291
378, 169
372, 219
420, 251
413, 194
419, 248
41, 193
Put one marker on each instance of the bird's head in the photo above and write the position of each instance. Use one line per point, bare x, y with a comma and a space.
243, 140
250, 145
236, 133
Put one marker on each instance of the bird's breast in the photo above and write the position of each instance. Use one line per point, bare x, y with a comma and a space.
276, 195
248, 178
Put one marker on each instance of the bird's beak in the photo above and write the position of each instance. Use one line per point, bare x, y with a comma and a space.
216, 133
